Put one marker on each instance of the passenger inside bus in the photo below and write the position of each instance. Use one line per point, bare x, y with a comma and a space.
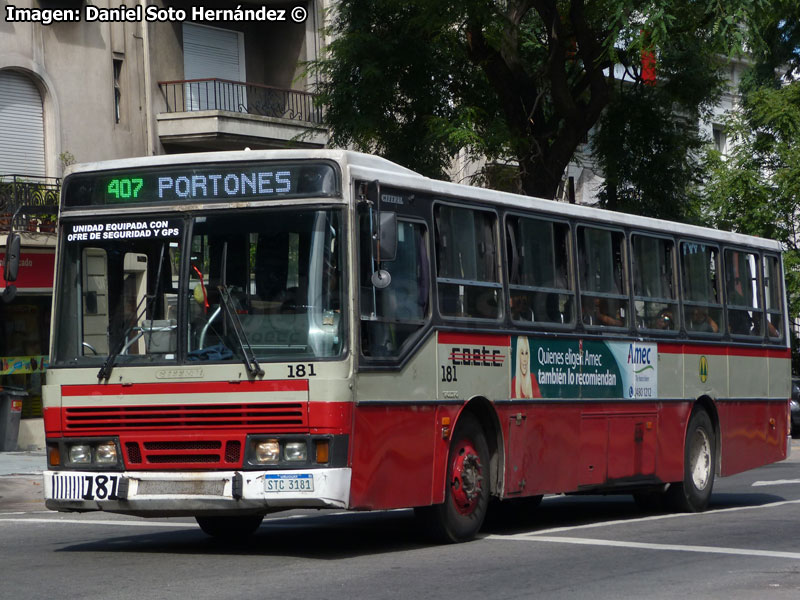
595, 312
699, 320
664, 320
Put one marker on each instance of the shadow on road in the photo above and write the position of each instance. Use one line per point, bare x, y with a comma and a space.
339, 536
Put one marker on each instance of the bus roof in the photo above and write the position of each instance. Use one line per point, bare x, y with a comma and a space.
365, 166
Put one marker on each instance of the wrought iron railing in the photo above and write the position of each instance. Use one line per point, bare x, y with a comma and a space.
241, 97
31, 201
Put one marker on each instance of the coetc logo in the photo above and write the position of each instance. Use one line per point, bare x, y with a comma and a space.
703, 369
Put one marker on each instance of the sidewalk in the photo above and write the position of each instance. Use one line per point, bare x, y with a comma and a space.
22, 463
21, 481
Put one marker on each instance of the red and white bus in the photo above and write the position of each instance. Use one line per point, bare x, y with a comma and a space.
241, 333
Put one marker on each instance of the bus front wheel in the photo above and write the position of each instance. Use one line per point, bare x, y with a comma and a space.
699, 462
230, 528
467, 487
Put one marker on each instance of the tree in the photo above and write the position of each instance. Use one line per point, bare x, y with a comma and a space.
648, 140
755, 189
519, 80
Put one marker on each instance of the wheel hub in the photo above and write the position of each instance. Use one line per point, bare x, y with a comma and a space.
467, 479
700, 456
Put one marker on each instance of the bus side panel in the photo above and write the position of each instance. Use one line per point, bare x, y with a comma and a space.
753, 434
540, 448
393, 456
562, 448
754, 429
673, 418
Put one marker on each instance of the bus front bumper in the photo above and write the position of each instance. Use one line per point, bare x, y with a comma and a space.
161, 494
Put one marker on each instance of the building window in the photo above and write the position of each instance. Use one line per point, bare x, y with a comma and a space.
117, 88
720, 139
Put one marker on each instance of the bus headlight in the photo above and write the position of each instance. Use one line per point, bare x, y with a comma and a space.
267, 451
80, 454
106, 453
295, 451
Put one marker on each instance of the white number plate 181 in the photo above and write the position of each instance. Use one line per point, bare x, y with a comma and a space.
85, 487
289, 482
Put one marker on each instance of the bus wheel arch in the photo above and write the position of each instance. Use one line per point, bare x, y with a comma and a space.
470, 479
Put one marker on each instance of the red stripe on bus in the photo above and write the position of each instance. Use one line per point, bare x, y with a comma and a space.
724, 350
194, 387
483, 339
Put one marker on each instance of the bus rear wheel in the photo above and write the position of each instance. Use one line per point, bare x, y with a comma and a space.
230, 528
467, 491
699, 462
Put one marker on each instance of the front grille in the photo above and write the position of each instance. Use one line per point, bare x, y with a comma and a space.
118, 419
134, 454
160, 459
223, 454
182, 445
233, 451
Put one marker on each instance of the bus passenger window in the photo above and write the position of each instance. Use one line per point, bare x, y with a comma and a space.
654, 289
741, 287
466, 260
772, 297
540, 281
390, 316
601, 260
700, 286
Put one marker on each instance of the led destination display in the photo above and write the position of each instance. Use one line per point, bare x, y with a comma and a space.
216, 183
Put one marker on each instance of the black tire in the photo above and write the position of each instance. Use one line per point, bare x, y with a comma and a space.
230, 528
699, 466
466, 495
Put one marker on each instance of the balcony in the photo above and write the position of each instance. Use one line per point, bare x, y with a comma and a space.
31, 201
218, 114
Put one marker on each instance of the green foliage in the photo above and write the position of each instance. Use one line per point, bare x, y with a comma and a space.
647, 142
419, 80
756, 188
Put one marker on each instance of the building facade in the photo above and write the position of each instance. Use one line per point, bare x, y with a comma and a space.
83, 81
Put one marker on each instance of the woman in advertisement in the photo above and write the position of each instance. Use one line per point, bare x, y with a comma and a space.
523, 383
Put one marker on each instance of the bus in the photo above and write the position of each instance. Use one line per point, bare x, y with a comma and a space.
239, 333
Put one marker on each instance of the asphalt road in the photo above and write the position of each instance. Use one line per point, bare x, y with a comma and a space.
746, 546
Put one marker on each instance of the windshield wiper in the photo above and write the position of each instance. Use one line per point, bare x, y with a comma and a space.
250, 361
108, 365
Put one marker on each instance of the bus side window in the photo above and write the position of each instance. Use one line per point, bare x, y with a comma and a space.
654, 290
742, 298
604, 299
539, 276
467, 273
700, 287
772, 297
391, 315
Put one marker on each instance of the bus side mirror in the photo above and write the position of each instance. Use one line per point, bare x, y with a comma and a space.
11, 266
388, 236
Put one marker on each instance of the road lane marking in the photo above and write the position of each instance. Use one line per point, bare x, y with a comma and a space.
98, 522
775, 482
528, 537
145, 523
659, 518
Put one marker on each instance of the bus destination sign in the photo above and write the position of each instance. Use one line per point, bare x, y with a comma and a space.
221, 183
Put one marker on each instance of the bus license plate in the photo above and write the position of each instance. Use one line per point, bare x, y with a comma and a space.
85, 487
299, 482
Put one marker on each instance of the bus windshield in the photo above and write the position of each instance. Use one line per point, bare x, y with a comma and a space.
278, 271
